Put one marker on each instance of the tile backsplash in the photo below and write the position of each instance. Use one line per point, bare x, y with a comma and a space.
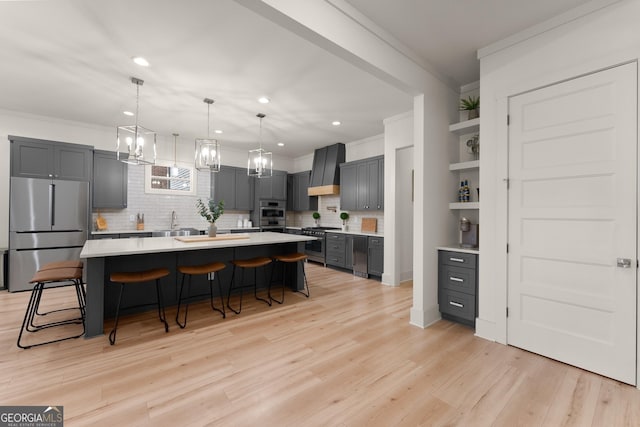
157, 209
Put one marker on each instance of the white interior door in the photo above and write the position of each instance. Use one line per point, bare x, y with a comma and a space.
572, 215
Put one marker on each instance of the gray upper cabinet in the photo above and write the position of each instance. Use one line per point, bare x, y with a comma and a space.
234, 186
362, 185
273, 187
35, 158
297, 193
109, 181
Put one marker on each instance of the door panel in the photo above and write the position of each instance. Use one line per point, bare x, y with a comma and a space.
30, 204
71, 205
572, 213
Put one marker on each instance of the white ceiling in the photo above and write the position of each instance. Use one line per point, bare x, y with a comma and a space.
71, 59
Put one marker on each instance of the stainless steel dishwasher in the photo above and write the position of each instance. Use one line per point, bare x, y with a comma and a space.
360, 256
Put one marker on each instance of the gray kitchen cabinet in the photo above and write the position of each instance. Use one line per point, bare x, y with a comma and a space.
234, 186
335, 253
362, 185
375, 260
457, 286
273, 187
109, 181
349, 186
36, 158
297, 193
348, 251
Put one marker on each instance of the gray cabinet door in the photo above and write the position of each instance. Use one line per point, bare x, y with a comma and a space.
224, 186
109, 181
376, 256
291, 191
273, 187
373, 183
35, 158
302, 201
348, 252
31, 159
244, 190
362, 184
381, 184
348, 187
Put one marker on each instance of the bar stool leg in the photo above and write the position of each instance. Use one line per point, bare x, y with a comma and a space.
255, 285
112, 334
233, 274
284, 271
224, 315
161, 313
186, 309
306, 284
28, 314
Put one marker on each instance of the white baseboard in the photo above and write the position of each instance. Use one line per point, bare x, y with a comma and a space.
485, 329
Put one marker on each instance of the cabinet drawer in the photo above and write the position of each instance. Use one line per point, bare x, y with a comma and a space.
334, 237
336, 247
335, 260
457, 304
457, 279
459, 259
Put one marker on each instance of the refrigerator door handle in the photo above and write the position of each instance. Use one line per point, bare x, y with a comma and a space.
52, 203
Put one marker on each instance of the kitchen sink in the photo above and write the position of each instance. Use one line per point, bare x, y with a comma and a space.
178, 232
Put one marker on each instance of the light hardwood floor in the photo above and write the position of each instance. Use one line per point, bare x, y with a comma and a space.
345, 357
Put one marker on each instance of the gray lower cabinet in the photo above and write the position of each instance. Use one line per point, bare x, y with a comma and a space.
335, 250
362, 184
109, 181
234, 186
37, 158
375, 260
458, 286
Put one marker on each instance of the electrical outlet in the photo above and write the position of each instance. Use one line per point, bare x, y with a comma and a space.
132, 218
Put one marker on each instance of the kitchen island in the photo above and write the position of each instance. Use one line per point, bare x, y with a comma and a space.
102, 257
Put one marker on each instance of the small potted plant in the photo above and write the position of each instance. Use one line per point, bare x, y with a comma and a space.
211, 212
472, 105
344, 216
316, 217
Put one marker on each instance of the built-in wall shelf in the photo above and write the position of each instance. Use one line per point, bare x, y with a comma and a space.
464, 205
468, 126
473, 164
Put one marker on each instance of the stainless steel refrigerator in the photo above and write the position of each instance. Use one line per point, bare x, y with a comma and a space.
48, 221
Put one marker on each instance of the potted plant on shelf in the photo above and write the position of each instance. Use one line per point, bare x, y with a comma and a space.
344, 216
211, 212
472, 105
316, 217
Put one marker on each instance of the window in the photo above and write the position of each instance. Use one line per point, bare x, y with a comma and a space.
165, 179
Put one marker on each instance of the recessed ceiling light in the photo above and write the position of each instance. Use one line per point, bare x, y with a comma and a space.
280, 144
264, 100
336, 123
217, 131
141, 61
127, 113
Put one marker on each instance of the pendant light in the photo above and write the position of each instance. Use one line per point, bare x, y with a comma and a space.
260, 161
140, 148
208, 149
174, 171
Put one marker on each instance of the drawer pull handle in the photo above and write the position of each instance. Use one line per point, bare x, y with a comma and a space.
456, 279
456, 259
456, 304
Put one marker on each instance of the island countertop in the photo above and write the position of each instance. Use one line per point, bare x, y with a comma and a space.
148, 245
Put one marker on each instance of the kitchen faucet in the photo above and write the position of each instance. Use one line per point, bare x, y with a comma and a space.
174, 220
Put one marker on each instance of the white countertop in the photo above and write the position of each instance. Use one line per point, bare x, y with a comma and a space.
146, 245
454, 248
357, 233
151, 231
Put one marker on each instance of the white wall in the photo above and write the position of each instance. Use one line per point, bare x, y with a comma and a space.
593, 42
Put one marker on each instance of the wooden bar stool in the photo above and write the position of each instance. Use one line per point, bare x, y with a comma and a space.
154, 274
191, 270
253, 263
51, 276
289, 259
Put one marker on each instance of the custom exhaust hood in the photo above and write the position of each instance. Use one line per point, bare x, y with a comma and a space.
325, 173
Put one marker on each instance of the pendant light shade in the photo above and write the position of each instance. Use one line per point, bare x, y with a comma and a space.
136, 144
208, 149
260, 162
174, 171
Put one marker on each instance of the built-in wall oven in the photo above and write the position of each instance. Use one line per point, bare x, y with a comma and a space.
272, 215
316, 249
